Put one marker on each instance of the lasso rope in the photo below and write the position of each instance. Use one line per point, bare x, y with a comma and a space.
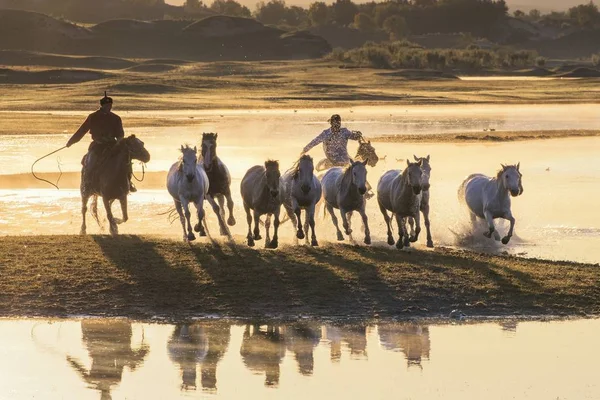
143, 174
45, 180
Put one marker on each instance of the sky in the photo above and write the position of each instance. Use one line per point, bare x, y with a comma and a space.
542, 5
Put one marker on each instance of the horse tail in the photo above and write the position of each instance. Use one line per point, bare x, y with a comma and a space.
463, 187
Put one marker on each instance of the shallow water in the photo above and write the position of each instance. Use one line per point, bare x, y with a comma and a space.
91, 359
556, 216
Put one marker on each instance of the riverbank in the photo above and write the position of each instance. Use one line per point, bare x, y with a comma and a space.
142, 277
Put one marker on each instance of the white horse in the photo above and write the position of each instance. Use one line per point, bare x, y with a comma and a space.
261, 192
345, 189
400, 192
489, 198
426, 168
302, 190
187, 183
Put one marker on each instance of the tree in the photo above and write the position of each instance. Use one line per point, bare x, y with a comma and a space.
534, 14
230, 7
318, 13
519, 14
364, 22
192, 4
396, 27
272, 12
296, 16
344, 12
586, 15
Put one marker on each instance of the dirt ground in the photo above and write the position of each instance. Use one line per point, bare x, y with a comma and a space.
143, 277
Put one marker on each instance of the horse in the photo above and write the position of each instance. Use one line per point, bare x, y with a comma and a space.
261, 193
112, 180
426, 168
364, 152
345, 189
400, 192
489, 198
219, 179
302, 190
187, 183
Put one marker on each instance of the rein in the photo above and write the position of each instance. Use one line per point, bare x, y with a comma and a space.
45, 180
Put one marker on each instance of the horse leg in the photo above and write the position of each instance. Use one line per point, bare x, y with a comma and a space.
365, 219
256, 226
345, 223
267, 229
297, 212
349, 220
249, 236
334, 219
511, 219
401, 232
425, 210
411, 223
114, 230
222, 227
490, 221
179, 209
186, 211
94, 211
310, 220
387, 219
201, 216
123, 202
290, 213
84, 200
231, 219
418, 227
275, 242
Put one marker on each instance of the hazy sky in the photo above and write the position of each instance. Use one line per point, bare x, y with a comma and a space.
543, 5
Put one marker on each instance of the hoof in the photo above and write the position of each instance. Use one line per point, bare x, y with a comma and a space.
231, 221
348, 231
390, 241
430, 244
505, 239
399, 244
257, 237
487, 234
271, 245
340, 237
413, 239
250, 242
82, 232
197, 227
314, 243
367, 240
224, 232
202, 233
191, 237
300, 235
406, 242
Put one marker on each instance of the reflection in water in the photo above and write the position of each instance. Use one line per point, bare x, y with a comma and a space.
411, 339
109, 346
200, 343
301, 339
354, 336
262, 351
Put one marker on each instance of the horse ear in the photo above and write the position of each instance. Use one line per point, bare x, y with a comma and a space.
416, 158
518, 165
427, 157
407, 162
503, 166
369, 142
195, 150
182, 148
216, 135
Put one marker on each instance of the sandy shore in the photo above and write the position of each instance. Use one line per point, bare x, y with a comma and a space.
142, 277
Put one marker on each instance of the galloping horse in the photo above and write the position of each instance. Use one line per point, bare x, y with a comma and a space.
219, 178
489, 198
112, 180
345, 189
400, 192
302, 190
261, 192
187, 183
365, 152
426, 168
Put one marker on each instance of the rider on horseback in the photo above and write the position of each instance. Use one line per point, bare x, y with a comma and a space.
106, 128
335, 145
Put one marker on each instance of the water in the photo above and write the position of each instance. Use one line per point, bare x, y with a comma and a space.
91, 359
556, 216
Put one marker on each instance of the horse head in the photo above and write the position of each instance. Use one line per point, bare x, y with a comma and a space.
273, 175
358, 170
209, 149
303, 172
426, 168
367, 152
510, 177
188, 162
414, 175
136, 149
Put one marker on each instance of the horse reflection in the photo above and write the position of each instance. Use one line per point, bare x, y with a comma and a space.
411, 339
301, 339
203, 344
354, 336
262, 351
109, 346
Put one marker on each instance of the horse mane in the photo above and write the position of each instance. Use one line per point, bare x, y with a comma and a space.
271, 164
295, 169
347, 174
180, 159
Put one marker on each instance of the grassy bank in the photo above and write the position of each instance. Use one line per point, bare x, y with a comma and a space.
141, 277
